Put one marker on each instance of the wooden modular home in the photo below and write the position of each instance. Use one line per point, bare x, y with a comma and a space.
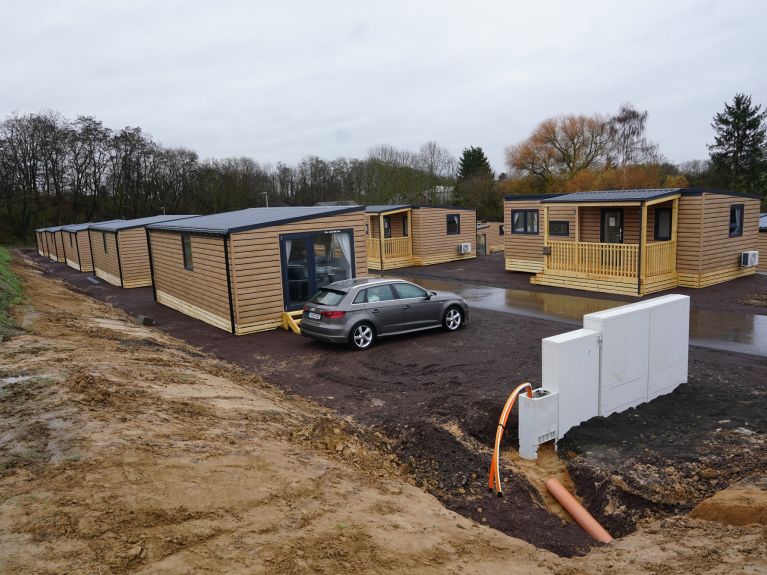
42, 244
490, 237
119, 250
404, 235
54, 243
631, 242
77, 245
762, 267
242, 271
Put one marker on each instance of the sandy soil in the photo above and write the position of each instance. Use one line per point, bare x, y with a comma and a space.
745, 295
126, 451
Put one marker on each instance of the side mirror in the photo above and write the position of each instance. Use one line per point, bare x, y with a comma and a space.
431, 294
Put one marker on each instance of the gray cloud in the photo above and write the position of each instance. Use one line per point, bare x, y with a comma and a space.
280, 81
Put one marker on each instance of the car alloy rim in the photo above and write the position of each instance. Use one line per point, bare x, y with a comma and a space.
363, 336
453, 319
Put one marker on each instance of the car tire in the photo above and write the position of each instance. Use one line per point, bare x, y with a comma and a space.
362, 336
453, 318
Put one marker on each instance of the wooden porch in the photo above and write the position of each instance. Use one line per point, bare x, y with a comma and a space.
636, 268
396, 250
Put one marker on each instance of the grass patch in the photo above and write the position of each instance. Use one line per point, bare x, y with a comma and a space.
10, 291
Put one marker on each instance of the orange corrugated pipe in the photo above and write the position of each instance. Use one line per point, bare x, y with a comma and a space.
495, 464
578, 511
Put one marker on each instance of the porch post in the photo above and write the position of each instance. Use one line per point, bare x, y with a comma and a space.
409, 216
642, 247
381, 239
577, 225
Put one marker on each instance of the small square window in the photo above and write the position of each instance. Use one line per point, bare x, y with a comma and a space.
453, 224
186, 246
736, 220
662, 224
524, 221
559, 228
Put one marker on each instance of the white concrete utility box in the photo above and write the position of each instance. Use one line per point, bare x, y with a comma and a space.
570, 364
644, 350
537, 421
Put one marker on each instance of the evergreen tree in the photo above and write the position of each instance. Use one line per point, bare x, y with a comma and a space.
475, 186
473, 163
739, 151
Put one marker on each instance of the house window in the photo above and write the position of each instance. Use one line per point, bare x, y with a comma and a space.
736, 220
104, 240
186, 246
453, 224
559, 228
662, 224
404, 225
71, 242
387, 226
524, 221
500, 230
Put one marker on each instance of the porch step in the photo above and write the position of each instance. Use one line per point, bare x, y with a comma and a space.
291, 320
621, 286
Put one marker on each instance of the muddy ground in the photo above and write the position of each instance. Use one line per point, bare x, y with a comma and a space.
436, 397
125, 450
744, 295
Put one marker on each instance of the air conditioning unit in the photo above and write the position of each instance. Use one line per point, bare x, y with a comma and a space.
749, 259
464, 248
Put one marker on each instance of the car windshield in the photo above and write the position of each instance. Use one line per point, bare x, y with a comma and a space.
327, 297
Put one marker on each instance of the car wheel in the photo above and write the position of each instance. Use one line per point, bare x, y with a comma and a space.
453, 318
362, 337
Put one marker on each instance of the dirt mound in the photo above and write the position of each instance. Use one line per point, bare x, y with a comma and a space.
745, 503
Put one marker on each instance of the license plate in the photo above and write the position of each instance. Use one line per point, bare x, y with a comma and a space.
313, 315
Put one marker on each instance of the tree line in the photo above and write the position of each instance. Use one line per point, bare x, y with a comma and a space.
57, 171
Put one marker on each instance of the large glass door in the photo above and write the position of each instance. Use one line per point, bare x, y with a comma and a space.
313, 260
612, 225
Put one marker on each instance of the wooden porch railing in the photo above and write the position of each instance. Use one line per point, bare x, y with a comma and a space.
618, 260
660, 258
393, 248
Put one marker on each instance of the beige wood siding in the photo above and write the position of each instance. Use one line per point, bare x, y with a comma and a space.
689, 237
523, 252
256, 271
41, 247
55, 246
134, 258
431, 242
84, 245
70, 249
762, 251
105, 263
201, 292
590, 222
720, 251
494, 239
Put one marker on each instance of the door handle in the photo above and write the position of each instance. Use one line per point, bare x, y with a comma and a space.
407, 306
375, 310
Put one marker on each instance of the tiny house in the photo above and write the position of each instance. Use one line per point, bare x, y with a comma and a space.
119, 250
405, 235
490, 237
55, 243
77, 245
241, 271
632, 242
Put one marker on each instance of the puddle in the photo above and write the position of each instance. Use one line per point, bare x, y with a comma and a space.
729, 331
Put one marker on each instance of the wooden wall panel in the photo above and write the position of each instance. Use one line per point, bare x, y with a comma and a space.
523, 252
41, 246
688, 247
70, 249
719, 251
257, 274
762, 243
200, 292
397, 222
84, 247
431, 242
105, 264
134, 258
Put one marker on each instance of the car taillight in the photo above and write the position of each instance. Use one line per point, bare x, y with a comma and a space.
333, 314
306, 308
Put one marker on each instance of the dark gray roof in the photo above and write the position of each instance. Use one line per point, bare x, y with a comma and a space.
386, 208
117, 225
50, 229
85, 226
613, 196
252, 218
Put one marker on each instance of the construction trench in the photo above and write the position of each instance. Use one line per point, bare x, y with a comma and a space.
435, 399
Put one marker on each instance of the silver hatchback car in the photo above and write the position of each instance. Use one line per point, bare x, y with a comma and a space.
357, 311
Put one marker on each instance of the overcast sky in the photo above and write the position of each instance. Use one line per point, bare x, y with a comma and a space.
282, 80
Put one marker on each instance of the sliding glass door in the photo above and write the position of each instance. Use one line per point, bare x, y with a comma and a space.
313, 260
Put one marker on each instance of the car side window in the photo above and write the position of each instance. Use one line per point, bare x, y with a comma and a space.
360, 297
379, 293
408, 291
